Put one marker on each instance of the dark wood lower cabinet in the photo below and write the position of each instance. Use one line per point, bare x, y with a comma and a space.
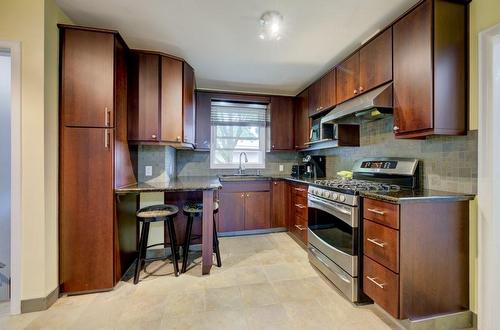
257, 210
279, 204
232, 211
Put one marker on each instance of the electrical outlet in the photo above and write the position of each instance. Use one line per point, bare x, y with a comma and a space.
148, 170
281, 168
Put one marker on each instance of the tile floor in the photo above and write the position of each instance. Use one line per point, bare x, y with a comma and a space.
266, 282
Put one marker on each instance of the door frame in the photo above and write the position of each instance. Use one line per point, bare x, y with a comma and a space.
15, 208
488, 179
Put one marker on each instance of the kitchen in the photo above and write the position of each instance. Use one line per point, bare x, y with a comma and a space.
344, 201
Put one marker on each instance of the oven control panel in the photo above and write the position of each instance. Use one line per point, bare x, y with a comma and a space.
333, 196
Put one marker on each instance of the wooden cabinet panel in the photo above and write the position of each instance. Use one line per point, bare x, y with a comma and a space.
144, 98
314, 98
382, 285
375, 62
279, 204
328, 91
203, 126
257, 210
348, 78
189, 105
381, 212
299, 228
86, 209
231, 211
282, 123
413, 71
171, 99
87, 78
382, 245
302, 121
298, 215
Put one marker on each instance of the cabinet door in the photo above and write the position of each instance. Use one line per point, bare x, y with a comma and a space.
413, 82
328, 92
279, 204
189, 105
231, 211
302, 121
257, 210
171, 99
348, 78
86, 209
282, 123
314, 97
375, 62
144, 112
87, 78
203, 126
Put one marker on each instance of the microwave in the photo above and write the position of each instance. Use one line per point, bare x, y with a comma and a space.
322, 132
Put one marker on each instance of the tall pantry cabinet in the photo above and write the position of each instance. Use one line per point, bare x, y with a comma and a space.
94, 156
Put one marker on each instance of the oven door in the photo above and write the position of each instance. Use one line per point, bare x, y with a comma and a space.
333, 230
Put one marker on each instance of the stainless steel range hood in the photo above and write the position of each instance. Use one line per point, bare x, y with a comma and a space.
370, 106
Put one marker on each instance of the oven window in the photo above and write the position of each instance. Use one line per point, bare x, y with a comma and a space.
332, 230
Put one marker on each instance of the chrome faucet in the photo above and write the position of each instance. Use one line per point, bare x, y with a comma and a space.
241, 169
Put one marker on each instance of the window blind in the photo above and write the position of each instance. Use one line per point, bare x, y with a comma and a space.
238, 114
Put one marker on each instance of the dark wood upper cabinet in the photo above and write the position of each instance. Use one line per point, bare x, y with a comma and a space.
375, 62
314, 98
322, 94
282, 113
144, 97
279, 205
202, 119
87, 62
189, 104
302, 120
171, 99
348, 78
430, 70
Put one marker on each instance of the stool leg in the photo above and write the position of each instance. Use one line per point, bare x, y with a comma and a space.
216, 246
143, 243
146, 240
187, 242
173, 245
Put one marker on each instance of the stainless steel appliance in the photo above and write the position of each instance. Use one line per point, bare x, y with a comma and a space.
335, 226
315, 166
321, 132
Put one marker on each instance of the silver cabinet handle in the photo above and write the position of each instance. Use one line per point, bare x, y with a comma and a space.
361, 88
106, 139
355, 91
300, 189
377, 211
153, 136
300, 227
178, 138
372, 279
107, 116
395, 128
376, 241
300, 206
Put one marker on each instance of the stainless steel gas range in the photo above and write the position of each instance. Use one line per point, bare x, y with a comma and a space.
335, 226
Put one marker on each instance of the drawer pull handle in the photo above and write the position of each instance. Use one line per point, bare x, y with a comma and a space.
376, 242
300, 189
300, 206
372, 279
377, 211
299, 227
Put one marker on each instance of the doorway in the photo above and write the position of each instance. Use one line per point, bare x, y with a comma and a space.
489, 179
5, 174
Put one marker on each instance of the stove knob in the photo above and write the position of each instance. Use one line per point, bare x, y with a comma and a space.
342, 198
335, 196
327, 194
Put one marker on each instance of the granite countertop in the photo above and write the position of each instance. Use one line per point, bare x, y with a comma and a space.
191, 183
417, 195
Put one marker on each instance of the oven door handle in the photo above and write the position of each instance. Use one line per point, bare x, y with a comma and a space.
318, 257
349, 217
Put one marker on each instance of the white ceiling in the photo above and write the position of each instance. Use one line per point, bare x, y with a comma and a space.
219, 38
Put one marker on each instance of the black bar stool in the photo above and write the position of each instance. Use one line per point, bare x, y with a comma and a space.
193, 210
156, 213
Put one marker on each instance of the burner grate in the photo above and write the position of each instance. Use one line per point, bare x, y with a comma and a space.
358, 185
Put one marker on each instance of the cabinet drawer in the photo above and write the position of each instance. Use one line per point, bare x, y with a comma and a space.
299, 191
300, 210
381, 212
299, 228
382, 285
381, 244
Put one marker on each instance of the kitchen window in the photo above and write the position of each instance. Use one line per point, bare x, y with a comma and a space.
237, 128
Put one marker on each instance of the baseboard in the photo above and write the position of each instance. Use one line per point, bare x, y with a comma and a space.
39, 304
252, 232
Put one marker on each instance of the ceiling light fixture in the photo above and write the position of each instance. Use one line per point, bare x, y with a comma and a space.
271, 25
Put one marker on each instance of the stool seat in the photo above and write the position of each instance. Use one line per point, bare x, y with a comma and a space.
156, 212
192, 207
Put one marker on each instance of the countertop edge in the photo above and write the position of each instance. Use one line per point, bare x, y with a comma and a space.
419, 199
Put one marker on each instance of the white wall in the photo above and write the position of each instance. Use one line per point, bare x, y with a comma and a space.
4, 170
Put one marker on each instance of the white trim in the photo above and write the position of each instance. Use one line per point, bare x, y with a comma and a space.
488, 179
16, 209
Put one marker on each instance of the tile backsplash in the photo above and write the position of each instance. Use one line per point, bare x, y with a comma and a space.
162, 159
449, 163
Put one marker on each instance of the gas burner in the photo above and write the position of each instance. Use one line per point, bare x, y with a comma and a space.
357, 185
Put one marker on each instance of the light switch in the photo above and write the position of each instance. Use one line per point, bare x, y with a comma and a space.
281, 168
149, 170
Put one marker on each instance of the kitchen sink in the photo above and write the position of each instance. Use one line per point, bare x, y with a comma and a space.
242, 177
